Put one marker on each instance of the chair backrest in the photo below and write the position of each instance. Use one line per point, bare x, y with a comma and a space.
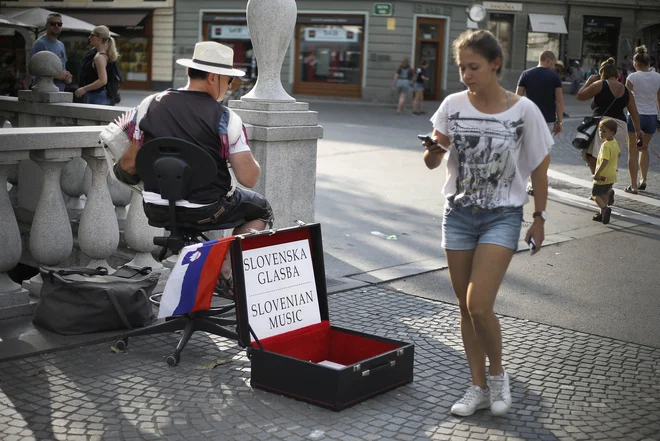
174, 167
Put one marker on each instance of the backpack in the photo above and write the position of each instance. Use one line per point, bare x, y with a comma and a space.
115, 78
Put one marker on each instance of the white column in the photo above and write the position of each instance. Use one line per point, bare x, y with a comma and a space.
51, 239
98, 232
271, 24
139, 235
10, 236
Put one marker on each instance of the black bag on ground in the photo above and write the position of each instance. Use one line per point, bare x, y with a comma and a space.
86, 300
586, 132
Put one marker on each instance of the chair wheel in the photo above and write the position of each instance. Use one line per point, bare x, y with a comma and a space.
172, 360
121, 344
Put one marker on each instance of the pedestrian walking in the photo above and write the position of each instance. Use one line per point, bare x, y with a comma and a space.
49, 42
645, 86
542, 85
610, 99
577, 76
606, 166
403, 83
93, 72
493, 140
421, 76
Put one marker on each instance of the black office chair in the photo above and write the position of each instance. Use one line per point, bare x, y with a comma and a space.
176, 168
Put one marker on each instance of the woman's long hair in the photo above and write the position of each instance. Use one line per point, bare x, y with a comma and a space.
405, 63
110, 47
608, 69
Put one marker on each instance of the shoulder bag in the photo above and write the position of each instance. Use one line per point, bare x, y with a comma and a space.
586, 131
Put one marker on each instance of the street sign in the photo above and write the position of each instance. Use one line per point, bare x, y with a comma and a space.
383, 9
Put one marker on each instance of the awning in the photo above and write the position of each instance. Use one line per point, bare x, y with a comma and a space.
112, 19
549, 24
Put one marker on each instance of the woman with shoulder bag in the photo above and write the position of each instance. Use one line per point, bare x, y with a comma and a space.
403, 83
610, 99
645, 86
93, 75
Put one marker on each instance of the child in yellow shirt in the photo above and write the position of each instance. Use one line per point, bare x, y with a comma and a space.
606, 165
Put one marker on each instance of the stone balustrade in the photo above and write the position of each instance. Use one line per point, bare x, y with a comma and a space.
43, 228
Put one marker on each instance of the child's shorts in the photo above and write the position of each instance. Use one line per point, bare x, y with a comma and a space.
600, 190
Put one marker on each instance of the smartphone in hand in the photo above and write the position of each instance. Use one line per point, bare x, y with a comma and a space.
532, 244
427, 139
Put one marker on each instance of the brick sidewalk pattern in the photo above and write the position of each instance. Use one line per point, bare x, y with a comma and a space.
566, 385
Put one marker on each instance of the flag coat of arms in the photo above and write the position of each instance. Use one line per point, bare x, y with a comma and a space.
193, 279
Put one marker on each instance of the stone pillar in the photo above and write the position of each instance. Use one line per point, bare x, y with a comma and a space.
98, 233
283, 133
46, 65
51, 238
271, 24
14, 300
139, 235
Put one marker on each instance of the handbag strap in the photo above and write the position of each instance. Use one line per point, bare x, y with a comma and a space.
120, 311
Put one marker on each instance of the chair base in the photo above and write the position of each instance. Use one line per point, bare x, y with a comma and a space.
207, 321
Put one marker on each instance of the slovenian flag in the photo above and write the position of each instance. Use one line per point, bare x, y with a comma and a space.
193, 279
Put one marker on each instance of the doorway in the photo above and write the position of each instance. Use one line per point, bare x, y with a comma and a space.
429, 46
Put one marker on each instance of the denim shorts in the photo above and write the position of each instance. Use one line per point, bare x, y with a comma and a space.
648, 124
418, 86
463, 228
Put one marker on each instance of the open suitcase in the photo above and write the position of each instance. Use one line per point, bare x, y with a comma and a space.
283, 320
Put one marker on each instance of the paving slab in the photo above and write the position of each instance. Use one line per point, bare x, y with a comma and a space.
566, 385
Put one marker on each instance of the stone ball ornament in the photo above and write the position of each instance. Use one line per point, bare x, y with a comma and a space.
45, 65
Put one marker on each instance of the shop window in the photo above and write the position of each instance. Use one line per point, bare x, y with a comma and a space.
236, 36
330, 53
134, 57
537, 43
600, 40
501, 26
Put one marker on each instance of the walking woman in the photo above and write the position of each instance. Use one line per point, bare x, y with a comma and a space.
93, 74
645, 86
610, 98
403, 83
418, 88
493, 140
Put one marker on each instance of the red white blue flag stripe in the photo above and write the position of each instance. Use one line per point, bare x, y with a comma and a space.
193, 279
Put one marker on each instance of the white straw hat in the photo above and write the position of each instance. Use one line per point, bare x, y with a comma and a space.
212, 57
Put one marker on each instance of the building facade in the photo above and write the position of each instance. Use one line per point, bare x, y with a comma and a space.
353, 48
145, 42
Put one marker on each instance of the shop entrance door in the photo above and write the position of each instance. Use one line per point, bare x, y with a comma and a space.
429, 46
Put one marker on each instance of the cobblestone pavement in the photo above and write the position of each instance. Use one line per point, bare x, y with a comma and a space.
566, 385
566, 159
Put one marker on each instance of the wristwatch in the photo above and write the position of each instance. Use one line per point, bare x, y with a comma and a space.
542, 214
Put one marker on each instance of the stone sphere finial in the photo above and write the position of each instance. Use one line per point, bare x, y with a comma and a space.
45, 65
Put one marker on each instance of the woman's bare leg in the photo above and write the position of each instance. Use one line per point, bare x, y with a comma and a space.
633, 162
488, 269
402, 102
644, 158
460, 269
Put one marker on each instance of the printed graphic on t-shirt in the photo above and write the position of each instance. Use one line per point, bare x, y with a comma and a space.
485, 149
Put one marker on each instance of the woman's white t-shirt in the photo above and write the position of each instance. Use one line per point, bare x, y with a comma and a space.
491, 156
646, 86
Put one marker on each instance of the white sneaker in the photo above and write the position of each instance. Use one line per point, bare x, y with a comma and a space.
500, 394
475, 398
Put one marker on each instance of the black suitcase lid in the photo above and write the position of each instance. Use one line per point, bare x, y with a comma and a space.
279, 281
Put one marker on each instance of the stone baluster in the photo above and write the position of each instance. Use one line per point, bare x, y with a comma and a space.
51, 238
139, 235
98, 233
71, 181
121, 197
11, 294
12, 178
